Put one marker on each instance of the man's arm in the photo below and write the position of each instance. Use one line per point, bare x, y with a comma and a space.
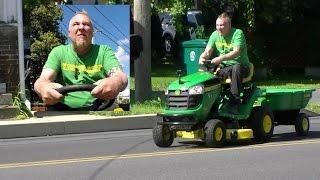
45, 87
109, 87
206, 54
225, 57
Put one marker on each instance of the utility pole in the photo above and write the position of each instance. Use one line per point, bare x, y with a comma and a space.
142, 65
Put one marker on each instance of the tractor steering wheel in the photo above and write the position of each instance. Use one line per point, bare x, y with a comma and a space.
207, 65
98, 104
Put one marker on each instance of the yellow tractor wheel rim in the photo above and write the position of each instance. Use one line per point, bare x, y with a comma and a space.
267, 124
218, 134
305, 124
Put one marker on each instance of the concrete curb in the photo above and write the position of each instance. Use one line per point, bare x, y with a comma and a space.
67, 123
7, 112
73, 124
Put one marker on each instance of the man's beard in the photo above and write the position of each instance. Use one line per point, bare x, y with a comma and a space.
82, 44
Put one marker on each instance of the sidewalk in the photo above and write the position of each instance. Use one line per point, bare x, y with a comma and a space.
66, 123
70, 123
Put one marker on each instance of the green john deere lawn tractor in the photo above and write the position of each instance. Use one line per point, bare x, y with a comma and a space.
197, 106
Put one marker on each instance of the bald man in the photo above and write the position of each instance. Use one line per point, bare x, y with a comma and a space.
80, 63
228, 45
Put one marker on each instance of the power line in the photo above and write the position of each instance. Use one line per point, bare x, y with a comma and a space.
112, 39
70, 8
65, 30
126, 50
115, 42
110, 22
120, 24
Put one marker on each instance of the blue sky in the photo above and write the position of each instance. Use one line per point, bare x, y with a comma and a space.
111, 26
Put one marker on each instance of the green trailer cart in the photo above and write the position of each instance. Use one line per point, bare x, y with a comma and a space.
197, 106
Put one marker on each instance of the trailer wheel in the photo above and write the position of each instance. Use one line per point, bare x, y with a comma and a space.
162, 136
215, 133
302, 124
262, 123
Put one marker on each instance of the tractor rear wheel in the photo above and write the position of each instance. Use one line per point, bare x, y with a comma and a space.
215, 133
262, 123
302, 124
162, 135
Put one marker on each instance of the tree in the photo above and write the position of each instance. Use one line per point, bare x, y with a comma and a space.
177, 9
142, 66
45, 32
41, 26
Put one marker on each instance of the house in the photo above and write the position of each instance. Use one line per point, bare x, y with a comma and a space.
11, 71
11, 56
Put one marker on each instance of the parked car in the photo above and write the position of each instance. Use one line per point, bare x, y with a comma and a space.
169, 32
193, 19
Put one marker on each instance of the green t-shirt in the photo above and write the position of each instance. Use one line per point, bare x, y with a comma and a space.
72, 69
223, 45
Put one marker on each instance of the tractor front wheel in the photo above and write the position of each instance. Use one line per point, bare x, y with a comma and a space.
162, 135
215, 133
302, 124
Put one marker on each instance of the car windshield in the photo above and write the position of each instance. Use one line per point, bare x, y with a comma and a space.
199, 19
165, 17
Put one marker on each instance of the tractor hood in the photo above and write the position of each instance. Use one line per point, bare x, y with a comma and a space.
205, 78
192, 95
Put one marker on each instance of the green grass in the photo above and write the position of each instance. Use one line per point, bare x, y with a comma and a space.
158, 83
286, 82
24, 112
148, 107
314, 107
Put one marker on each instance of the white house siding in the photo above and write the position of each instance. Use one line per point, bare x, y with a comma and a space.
1, 10
8, 11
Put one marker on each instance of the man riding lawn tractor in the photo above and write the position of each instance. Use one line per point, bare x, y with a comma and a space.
229, 45
205, 105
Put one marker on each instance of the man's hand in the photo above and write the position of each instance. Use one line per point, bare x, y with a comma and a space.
45, 87
217, 60
205, 55
109, 88
48, 93
201, 60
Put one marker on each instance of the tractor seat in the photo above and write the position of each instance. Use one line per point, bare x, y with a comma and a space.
246, 79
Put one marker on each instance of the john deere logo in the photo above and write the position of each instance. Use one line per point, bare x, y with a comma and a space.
177, 92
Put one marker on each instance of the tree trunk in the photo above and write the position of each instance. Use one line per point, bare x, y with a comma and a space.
142, 65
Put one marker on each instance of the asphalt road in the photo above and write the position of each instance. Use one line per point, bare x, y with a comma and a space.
132, 155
